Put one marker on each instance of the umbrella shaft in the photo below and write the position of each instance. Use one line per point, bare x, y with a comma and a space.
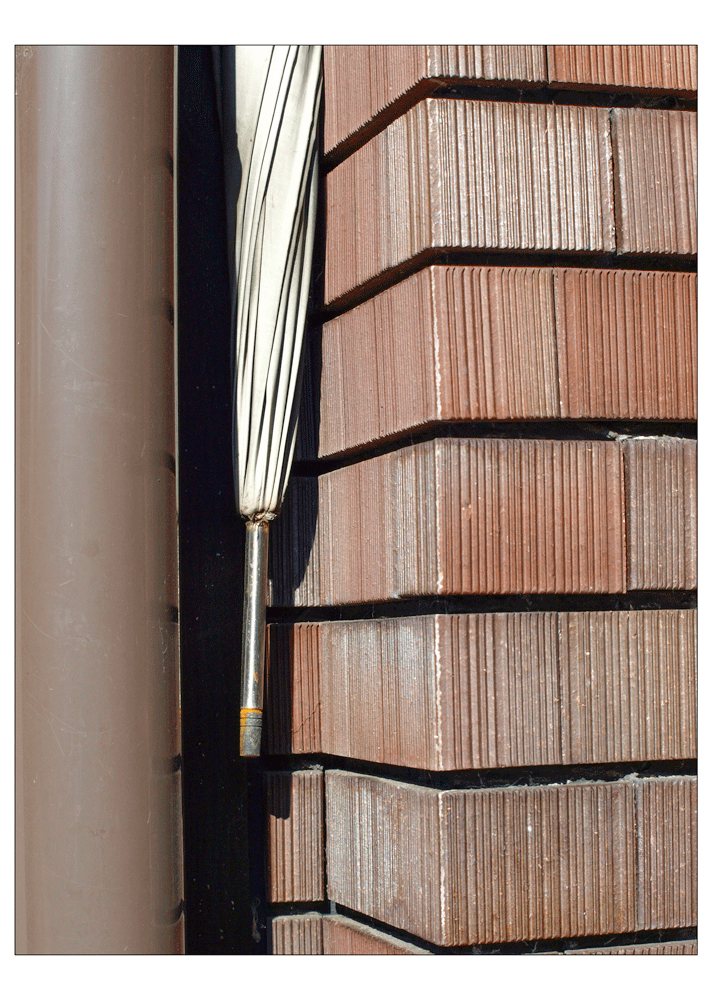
253, 637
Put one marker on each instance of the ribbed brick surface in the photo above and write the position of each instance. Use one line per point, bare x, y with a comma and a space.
447, 692
454, 516
293, 700
626, 343
298, 935
469, 174
295, 835
379, 702
507, 864
501, 864
655, 156
628, 685
636, 67
361, 80
497, 343
448, 343
348, 937
322, 934
317, 934
384, 851
538, 862
666, 821
663, 948
484, 516
523, 63
661, 513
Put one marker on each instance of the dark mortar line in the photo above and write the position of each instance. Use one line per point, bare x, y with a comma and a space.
523, 92
301, 909
495, 257
538, 946
638, 600
663, 935
560, 429
484, 778
591, 95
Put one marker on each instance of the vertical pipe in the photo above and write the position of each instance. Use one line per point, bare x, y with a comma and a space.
97, 674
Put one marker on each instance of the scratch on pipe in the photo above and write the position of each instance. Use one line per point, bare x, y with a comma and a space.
70, 358
102, 764
73, 881
54, 733
53, 637
80, 732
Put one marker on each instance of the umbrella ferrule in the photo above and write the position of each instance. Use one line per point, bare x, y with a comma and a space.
253, 637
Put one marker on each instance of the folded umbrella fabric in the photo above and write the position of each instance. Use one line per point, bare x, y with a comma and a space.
277, 98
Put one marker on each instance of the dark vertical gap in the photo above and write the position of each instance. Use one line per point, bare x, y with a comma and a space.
259, 906
220, 880
625, 459
325, 835
546, 64
614, 184
556, 306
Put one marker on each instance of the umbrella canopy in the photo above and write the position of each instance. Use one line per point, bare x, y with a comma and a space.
277, 97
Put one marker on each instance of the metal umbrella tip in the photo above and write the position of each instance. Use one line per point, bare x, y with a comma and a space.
250, 732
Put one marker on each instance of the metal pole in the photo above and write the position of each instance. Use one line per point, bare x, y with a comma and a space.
253, 638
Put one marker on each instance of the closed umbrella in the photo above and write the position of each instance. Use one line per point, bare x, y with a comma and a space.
277, 97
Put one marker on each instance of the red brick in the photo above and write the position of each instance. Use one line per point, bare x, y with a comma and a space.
322, 934
487, 865
628, 685
295, 835
360, 81
661, 513
298, 935
626, 344
349, 937
384, 851
655, 157
446, 344
293, 702
498, 690
662, 948
666, 820
379, 691
456, 516
529, 517
509, 864
480, 343
656, 68
527, 176
444, 692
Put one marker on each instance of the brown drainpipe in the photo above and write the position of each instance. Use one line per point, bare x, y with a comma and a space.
98, 781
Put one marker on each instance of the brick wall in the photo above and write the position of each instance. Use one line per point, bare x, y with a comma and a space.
481, 705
